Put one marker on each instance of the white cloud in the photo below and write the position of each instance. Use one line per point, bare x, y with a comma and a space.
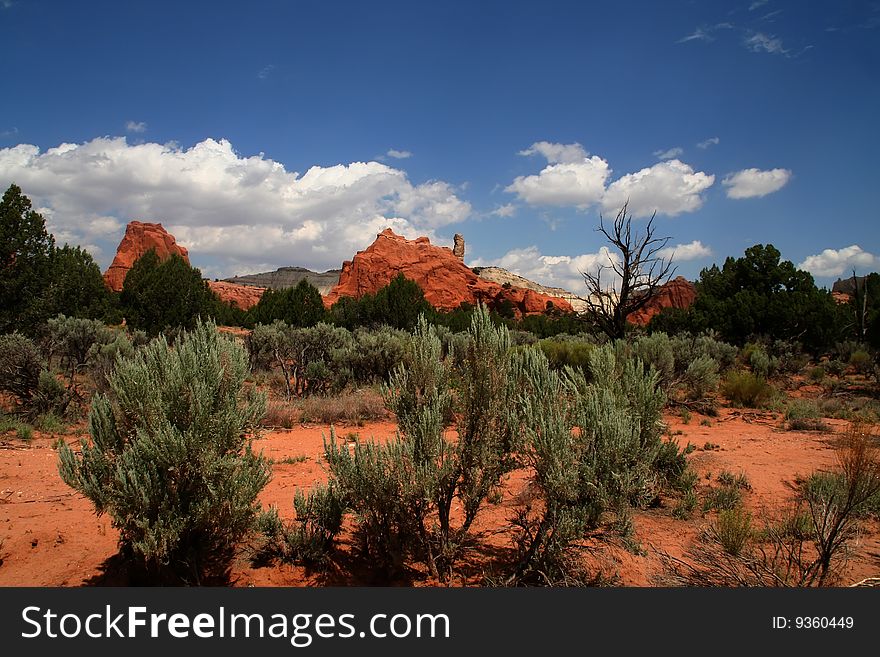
670, 188
670, 154
135, 126
557, 153
507, 210
234, 209
398, 155
699, 34
711, 141
580, 183
750, 183
573, 178
757, 3
684, 252
833, 262
266, 71
552, 271
761, 42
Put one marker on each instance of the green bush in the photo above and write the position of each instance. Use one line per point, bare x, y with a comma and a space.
733, 529
804, 415
861, 361
170, 458
747, 389
701, 377
723, 498
562, 353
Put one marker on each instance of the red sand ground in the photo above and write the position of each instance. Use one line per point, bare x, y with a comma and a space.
50, 536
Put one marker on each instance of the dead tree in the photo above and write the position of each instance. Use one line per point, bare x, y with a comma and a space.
637, 269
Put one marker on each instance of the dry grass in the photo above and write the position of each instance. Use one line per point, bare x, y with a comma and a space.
349, 407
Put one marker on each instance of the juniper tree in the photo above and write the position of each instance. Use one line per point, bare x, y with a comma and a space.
169, 457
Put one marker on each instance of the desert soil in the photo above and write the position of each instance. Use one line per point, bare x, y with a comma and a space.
50, 536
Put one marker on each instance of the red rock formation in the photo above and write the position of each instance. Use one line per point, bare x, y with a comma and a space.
677, 293
243, 296
138, 239
446, 281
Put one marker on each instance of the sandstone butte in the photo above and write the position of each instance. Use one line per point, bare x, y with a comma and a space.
138, 239
243, 296
677, 293
446, 281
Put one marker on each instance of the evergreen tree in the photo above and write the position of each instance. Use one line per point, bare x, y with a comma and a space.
159, 295
300, 306
25, 263
76, 287
759, 295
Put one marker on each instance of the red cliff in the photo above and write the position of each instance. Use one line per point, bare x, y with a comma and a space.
138, 239
446, 281
243, 296
677, 293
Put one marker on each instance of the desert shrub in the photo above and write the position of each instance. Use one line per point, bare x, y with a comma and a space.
565, 502
723, 498
656, 351
701, 377
687, 348
519, 338
170, 457
733, 529
402, 493
804, 415
747, 389
763, 364
74, 341
561, 353
318, 520
372, 355
835, 367
789, 356
861, 361
20, 367
727, 478
816, 374
35, 390
103, 356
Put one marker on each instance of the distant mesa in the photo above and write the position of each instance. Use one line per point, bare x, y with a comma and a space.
139, 238
504, 277
446, 281
285, 277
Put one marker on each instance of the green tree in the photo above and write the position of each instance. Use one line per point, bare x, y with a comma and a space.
25, 263
159, 295
300, 306
759, 295
76, 287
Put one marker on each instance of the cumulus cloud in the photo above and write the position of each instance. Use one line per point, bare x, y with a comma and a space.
574, 178
563, 182
706, 143
669, 188
684, 252
553, 271
834, 262
760, 42
135, 126
398, 155
750, 183
557, 153
238, 210
669, 154
506, 210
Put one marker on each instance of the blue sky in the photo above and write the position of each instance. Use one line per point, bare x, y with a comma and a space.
278, 133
